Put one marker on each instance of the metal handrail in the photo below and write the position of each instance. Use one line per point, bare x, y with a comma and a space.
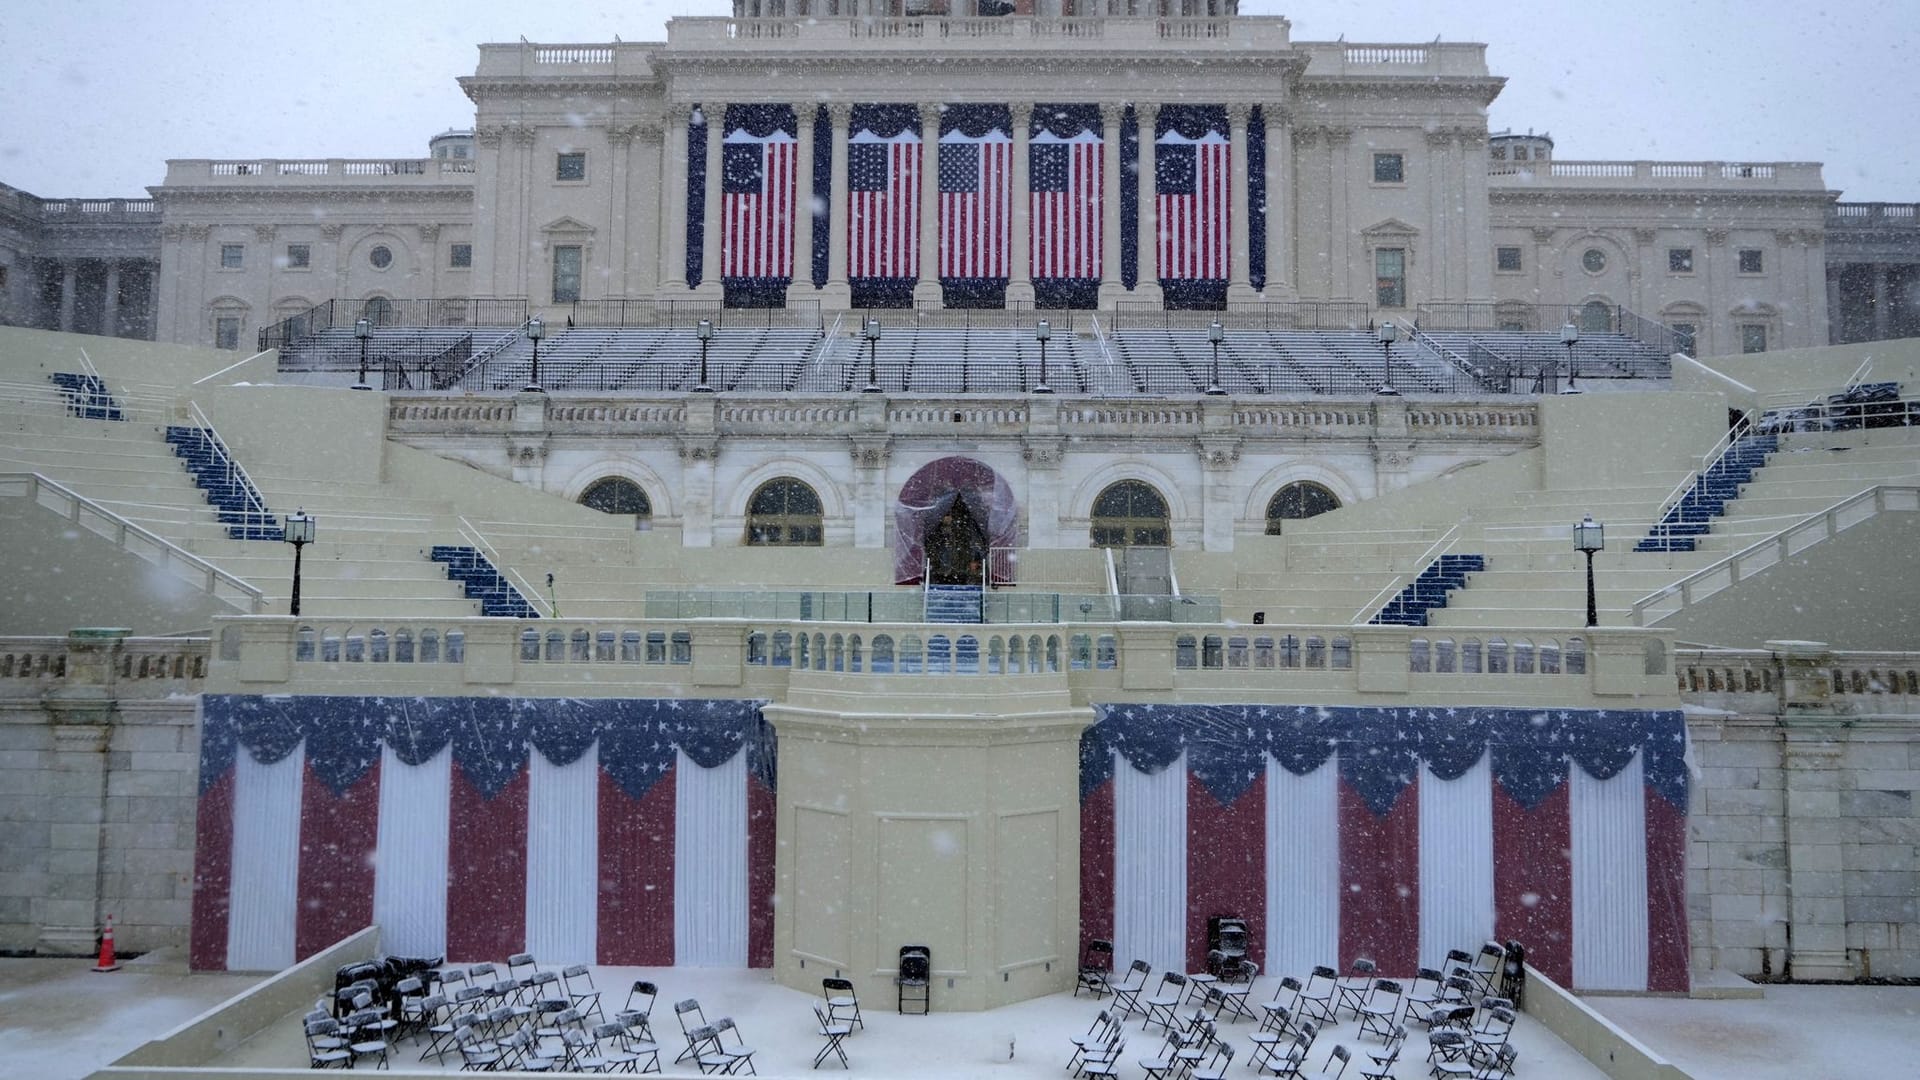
1825, 521
486, 355
255, 501
501, 567
1106, 349
1482, 380
1427, 558
171, 552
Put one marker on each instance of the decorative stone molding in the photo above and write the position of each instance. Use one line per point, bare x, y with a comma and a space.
1147, 113
332, 231
870, 453
679, 115
1306, 137
1716, 237
489, 137
522, 134
1276, 114
1339, 136
840, 114
1239, 112
619, 137
1785, 237
1022, 113
1043, 453
263, 233
173, 233
527, 452
1440, 138
1543, 234
693, 448
1111, 112
199, 233
428, 233
1645, 235
1471, 138
1219, 452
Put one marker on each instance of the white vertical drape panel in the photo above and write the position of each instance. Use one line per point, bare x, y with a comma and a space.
266, 861
1456, 862
1150, 865
410, 868
563, 858
1608, 819
1303, 868
710, 863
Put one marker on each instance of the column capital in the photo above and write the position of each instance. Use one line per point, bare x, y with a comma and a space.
620, 136
840, 114
428, 232
871, 453
1439, 138
1111, 113
1306, 137
929, 111
1339, 136
522, 134
489, 136
263, 233
807, 113
1146, 111
332, 231
1022, 113
1239, 112
1276, 114
714, 113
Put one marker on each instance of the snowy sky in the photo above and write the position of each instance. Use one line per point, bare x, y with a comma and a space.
99, 93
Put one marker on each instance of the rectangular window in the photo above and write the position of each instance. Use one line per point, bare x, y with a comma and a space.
1753, 337
1686, 332
1519, 153
226, 332
1390, 277
460, 256
233, 256
566, 273
1752, 261
299, 256
1679, 260
1506, 259
571, 165
1499, 153
1389, 169
3, 278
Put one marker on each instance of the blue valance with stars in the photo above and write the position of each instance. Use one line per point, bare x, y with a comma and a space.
1380, 749
491, 736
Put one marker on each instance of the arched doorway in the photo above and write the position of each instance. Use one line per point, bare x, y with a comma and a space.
956, 547
955, 519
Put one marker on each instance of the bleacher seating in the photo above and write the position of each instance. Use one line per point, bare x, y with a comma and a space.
953, 604
1430, 590
87, 396
234, 498
482, 581
1719, 484
337, 349
1163, 360
1595, 356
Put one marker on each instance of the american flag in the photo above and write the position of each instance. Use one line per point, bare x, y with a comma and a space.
976, 181
1191, 177
1065, 185
757, 193
883, 206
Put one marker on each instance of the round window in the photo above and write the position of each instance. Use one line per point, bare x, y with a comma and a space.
1594, 260
382, 257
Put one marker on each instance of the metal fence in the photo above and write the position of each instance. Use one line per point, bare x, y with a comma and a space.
382, 312
1298, 315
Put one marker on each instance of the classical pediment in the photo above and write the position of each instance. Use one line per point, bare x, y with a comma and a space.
1389, 228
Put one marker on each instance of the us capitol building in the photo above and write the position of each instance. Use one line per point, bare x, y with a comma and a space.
1355, 174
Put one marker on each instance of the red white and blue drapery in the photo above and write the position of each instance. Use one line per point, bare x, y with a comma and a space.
758, 185
609, 831
1394, 834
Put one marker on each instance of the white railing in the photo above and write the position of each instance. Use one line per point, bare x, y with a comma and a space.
1740, 428
527, 592
97, 519
233, 467
1774, 550
1400, 581
1738, 174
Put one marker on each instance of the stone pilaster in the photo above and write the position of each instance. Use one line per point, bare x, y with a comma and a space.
69, 290
1239, 216
527, 442
1816, 882
1111, 291
1147, 288
870, 457
110, 305
838, 294
1020, 257
801, 287
926, 291
67, 914
1280, 202
673, 201
709, 287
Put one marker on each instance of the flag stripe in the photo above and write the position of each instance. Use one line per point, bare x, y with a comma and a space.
1533, 881
1609, 831
762, 819
487, 870
635, 911
563, 872
1380, 882
1668, 959
1456, 861
414, 834
1194, 215
710, 868
338, 837
1226, 864
758, 206
266, 862
212, 874
1096, 866
1303, 868
1150, 865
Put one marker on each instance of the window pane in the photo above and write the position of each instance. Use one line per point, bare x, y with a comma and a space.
460, 256
1680, 260
1390, 274
232, 256
1752, 261
570, 166
566, 274
299, 256
1389, 169
1753, 338
1507, 258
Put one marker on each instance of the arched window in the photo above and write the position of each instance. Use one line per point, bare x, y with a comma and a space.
784, 512
379, 311
1596, 317
1129, 514
618, 495
1301, 499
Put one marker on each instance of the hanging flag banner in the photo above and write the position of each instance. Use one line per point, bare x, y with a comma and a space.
758, 189
883, 193
976, 179
1066, 208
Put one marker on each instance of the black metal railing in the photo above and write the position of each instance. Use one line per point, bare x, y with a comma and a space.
383, 312
686, 314
426, 369
1295, 315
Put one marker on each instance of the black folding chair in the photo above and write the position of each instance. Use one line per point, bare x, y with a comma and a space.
1096, 968
639, 1008
1126, 994
693, 1027
914, 982
835, 1032
843, 1005
1097, 1036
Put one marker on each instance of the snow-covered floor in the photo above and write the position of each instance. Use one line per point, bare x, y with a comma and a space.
59, 1021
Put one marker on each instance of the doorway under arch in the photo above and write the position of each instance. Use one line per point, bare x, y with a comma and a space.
955, 520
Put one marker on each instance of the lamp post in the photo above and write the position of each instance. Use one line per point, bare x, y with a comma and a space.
1042, 331
1590, 536
870, 329
1570, 336
298, 531
1389, 333
536, 329
363, 329
705, 332
1215, 335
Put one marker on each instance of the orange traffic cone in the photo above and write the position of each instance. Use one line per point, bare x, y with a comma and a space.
108, 962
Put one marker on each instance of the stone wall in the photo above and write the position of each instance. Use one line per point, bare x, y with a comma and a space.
1804, 829
98, 765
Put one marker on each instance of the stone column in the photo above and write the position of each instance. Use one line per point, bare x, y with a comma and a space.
619, 174
709, 287
1881, 322
1111, 290
1147, 288
1815, 871
70, 287
1219, 493
110, 304
801, 289
673, 201
647, 195
870, 456
838, 295
81, 711
1338, 139
1279, 178
926, 291
1019, 224
1240, 258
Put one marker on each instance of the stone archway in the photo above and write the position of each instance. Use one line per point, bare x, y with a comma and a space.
955, 519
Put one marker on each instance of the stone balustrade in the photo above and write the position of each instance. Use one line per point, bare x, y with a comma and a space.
1721, 175
1048, 34
318, 172
117, 665
1798, 678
